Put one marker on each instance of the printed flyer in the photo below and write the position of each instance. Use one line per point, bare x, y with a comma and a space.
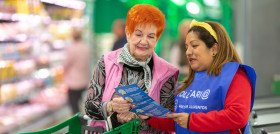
145, 105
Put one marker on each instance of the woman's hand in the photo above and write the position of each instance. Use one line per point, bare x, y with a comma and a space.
143, 117
120, 105
180, 118
126, 117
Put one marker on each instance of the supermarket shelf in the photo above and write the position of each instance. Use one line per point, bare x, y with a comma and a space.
266, 115
25, 97
266, 106
268, 123
75, 4
267, 103
45, 120
268, 119
6, 17
43, 103
10, 41
16, 79
14, 39
15, 17
36, 108
22, 98
19, 58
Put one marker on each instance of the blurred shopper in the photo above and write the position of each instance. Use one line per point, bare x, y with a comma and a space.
118, 30
135, 63
76, 70
218, 94
178, 51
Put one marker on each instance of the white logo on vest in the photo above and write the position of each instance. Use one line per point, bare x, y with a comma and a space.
176, 103
195, 94
205, 94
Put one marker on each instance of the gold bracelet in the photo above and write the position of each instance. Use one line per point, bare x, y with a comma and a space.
110, 107
136, 116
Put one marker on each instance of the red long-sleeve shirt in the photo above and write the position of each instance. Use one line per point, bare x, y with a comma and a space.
233, 117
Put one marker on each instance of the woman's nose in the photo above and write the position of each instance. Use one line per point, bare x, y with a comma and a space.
188, 51
144, 40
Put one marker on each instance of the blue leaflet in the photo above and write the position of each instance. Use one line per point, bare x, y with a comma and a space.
145, 105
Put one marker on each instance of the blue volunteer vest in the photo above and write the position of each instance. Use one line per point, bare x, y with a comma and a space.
208, 93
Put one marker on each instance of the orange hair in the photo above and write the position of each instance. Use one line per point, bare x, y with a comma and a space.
145, 14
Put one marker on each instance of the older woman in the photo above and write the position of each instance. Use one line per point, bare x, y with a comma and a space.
135, 63
218, 93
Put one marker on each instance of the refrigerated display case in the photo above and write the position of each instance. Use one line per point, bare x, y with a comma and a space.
29, 74
265, 116
32, 46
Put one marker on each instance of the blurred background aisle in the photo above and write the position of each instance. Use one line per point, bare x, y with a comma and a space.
34, 35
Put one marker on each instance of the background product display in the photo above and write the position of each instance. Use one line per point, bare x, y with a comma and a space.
32, 48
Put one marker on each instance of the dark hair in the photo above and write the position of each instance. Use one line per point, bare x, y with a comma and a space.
77, 34
204, 35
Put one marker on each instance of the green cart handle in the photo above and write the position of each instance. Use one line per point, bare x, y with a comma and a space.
78, 124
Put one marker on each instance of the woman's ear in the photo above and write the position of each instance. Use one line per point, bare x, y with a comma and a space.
215, 49
127, 35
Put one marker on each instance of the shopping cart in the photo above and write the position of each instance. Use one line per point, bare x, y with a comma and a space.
78, 124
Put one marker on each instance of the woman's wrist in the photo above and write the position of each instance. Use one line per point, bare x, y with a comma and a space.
109, 108
147, 118
135, 116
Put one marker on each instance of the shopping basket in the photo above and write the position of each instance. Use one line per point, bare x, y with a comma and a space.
78, 124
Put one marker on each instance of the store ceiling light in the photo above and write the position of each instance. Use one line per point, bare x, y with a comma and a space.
179, 2
43, 73
193, 8
76, 4
211, 3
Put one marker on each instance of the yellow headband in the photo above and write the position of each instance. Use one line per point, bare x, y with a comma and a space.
206, 26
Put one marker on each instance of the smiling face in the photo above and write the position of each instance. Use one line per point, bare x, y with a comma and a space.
142, 41
200, 57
